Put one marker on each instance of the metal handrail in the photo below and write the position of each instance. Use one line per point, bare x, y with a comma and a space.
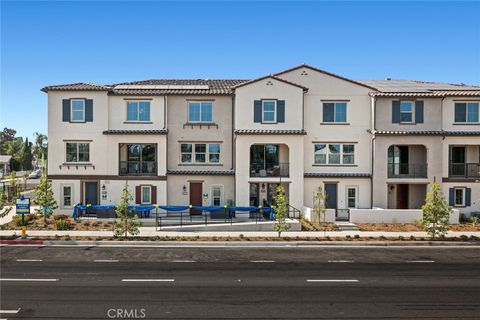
407, 170
270, 169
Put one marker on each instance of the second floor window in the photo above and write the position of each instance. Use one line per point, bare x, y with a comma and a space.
200, 153
335, 112
200, 111
77, 110
138, 111
466, 112
77, 152
334, 153
406, 111
269, 111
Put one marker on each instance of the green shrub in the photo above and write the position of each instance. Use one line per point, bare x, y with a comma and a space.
62, 224
17, 219
357, 236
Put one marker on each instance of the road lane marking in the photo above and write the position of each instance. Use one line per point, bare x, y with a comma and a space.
34, 280
262, 261
148, 280
29, 260
105, 260
183, 261
420, 261
339, 261
332, 280
10, 311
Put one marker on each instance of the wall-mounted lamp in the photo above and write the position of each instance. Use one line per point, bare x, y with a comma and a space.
184, 188
103, 187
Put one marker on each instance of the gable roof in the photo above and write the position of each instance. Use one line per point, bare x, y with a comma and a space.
79, 86
326, 73
269, 76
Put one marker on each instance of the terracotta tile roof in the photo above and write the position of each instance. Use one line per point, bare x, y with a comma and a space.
436, 93
272, 77
327, 73
336, 175
80, 86
202, 172
428, 133
161, 131
273, 132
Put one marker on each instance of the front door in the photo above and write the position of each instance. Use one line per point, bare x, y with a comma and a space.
195, 196
402, 196
457, 161
331, 195
254, 195
91, 193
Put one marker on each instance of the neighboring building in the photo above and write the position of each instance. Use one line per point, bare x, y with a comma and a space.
215, 142
5, 162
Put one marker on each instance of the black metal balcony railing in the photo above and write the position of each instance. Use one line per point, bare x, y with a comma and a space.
407, 170
464, 170
261, 170
138, 168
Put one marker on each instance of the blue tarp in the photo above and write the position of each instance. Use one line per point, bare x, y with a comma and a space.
174, 208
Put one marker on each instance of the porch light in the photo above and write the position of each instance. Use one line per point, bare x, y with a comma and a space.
184, 188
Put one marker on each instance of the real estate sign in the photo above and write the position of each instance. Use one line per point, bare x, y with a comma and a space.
23, 205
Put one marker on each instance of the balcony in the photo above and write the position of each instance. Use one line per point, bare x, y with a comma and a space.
138, 168
407, 170
464, 170
265, 170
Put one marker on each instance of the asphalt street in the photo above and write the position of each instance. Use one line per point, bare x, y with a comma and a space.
239, 283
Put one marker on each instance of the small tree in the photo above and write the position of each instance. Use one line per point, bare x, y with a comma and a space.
436, 212
44, 196
319, 204
15, 188
127, 224
281, 211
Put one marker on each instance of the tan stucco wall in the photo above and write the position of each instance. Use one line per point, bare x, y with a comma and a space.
177, 110
117, 115
449, 114
246, 95
432, 115
362, 184
176, 196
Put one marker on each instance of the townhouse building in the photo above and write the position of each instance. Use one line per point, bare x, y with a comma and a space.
215, 142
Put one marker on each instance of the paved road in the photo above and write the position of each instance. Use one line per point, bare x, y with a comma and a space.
240, 283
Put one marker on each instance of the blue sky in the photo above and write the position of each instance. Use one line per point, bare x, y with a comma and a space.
45, 43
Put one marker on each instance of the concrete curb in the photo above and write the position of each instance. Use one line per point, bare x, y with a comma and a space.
251, 244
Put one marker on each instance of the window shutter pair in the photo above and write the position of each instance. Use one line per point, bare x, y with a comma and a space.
66, 110
468, 197
257, 111
418, 111
138, 194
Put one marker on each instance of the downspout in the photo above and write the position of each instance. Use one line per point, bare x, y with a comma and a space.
373, 126
165, 126
234, 147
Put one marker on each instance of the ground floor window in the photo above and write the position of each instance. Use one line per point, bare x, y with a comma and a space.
67, 194
146, 195
217, 193
459, 194
352, 196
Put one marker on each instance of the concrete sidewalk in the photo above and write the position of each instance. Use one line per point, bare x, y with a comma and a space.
150, 232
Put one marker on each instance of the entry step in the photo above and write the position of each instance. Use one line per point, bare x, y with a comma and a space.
347, 226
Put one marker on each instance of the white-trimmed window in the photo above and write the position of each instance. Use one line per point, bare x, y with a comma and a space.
146, 194
200, 153
138, 110
406, 111
459, 197
77, 152
217, 195
334, 153
200, 111
352, 197
77, 110
67, 196
269, 111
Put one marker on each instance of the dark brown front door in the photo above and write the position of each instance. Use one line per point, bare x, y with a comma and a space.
402, 196
195, 196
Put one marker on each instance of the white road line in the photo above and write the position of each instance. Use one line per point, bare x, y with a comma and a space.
340, 261
10, 311
331, 280
262, 261
29, 260
420, 261
34, 280
183, 261
148, 280
105, 260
